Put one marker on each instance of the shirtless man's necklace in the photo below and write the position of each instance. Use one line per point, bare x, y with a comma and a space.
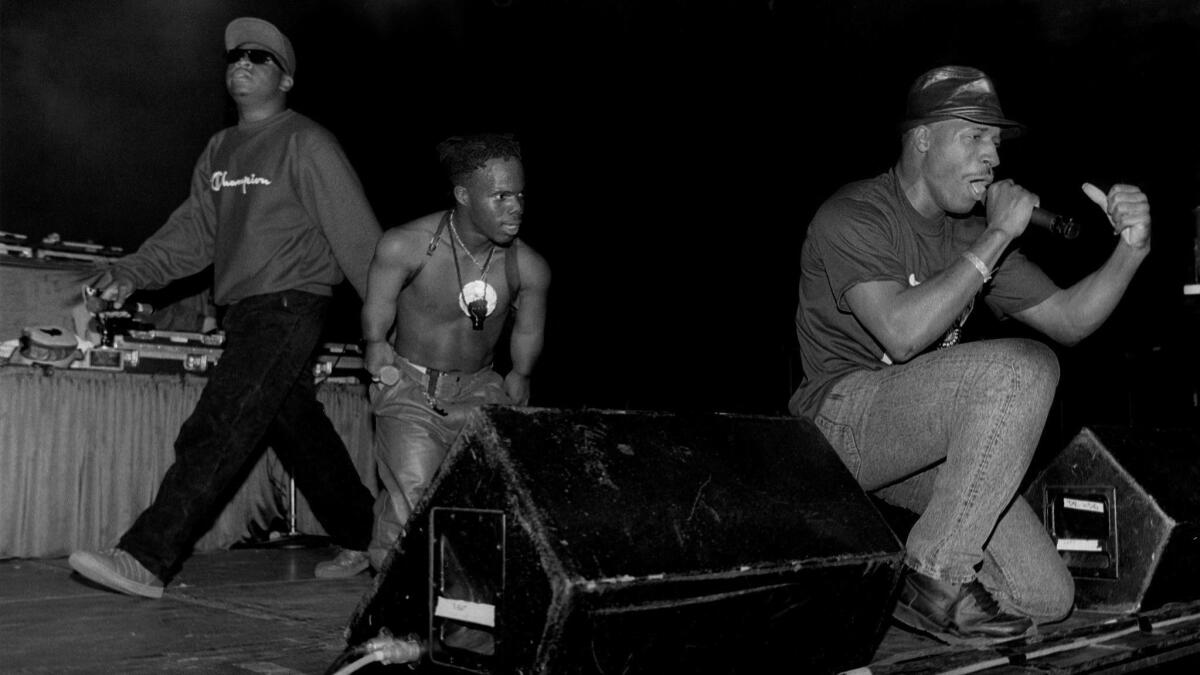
474, 296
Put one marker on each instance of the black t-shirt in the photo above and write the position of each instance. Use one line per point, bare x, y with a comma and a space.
869, 231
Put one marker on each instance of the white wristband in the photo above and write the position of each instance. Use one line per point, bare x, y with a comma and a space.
983, 269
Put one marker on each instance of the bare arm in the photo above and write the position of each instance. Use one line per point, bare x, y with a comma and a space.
906, 320
1072, 314
390, 268
529, 326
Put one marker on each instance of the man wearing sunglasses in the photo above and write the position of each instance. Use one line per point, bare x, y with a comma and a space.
278, 212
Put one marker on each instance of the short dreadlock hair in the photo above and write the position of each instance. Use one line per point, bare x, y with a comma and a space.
461, 155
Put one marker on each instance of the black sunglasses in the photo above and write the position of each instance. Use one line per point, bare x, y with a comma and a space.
256, 56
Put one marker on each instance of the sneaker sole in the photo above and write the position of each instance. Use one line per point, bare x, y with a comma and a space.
342, 572
90, 568
331, 571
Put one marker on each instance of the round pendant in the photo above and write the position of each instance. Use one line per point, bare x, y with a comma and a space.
475, 292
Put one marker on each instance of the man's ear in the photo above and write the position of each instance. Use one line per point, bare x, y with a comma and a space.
461, 195
285, 83
921, 135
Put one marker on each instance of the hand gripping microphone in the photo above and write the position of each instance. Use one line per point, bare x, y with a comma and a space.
1063, 226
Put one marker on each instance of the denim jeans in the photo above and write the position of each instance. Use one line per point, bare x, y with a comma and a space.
949, 435
412, 438
261, 392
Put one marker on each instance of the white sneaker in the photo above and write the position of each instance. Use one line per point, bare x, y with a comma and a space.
118, 570
347, 564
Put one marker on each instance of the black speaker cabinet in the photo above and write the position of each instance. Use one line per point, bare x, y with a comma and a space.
591, 541
1123, 507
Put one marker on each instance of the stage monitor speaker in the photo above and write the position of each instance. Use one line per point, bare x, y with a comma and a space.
1123, 507
589, 541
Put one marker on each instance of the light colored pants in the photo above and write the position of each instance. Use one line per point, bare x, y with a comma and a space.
412, 437
949, 435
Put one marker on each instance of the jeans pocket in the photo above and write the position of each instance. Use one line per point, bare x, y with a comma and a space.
841, 437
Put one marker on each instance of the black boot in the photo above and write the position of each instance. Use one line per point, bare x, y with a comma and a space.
962, 611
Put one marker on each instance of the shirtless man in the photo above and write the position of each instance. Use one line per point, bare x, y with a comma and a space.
439, 293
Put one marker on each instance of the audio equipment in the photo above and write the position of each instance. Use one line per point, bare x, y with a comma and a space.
593, 541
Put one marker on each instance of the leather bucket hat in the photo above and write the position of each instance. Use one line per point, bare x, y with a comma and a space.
956, 92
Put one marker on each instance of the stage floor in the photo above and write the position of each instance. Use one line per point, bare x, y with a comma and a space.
228, 611
262, 611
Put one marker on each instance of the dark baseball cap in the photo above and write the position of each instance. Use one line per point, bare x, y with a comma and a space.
956, 92
248, 29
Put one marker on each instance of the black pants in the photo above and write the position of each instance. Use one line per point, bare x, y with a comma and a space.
261, 389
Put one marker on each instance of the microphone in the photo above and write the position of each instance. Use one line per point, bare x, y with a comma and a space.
1064, 226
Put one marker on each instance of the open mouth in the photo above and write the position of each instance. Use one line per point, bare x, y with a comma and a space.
979, 187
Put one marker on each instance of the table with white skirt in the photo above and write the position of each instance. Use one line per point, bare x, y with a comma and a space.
82, 453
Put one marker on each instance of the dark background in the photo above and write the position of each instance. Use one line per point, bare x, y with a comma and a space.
675, 151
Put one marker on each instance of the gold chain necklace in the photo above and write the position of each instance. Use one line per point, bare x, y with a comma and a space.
491, 250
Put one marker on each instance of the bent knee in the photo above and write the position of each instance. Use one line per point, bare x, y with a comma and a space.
1057, 604
1052, 600
1025, 364
1035, 357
